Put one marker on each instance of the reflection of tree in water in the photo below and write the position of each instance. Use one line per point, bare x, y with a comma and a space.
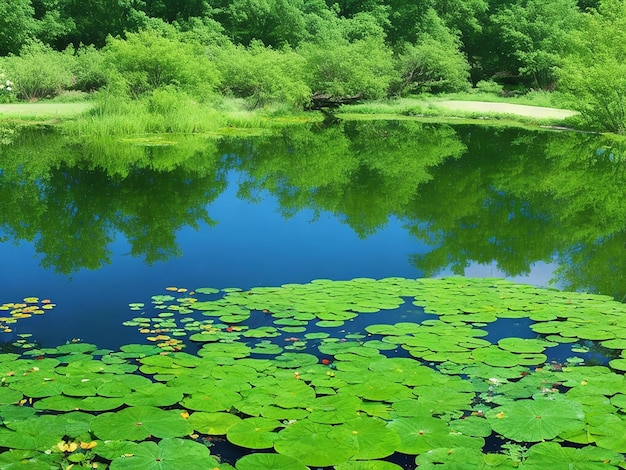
363, 172
516, 197
72, 209
521, 197
475, 194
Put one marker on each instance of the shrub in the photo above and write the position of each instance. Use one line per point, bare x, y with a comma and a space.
7, 93
151, 59
264, 75
489, 86
90, 69
338, 69
39, 71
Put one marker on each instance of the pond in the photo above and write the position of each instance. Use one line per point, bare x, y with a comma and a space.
97, 225
110, 233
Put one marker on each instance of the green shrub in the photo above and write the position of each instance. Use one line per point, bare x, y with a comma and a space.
151, 59
264, 75
90, 69
7, 93
39, 71
431, 66
488, 86
338, 69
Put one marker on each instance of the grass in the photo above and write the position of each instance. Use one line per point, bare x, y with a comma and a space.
43, 110
167, 111
432, 108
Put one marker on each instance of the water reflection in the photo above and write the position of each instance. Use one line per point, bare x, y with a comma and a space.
509, 198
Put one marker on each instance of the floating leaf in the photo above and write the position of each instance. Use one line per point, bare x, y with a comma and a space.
536, 420
213, 423
168, 454
370, 437
253, 433
139, 422
309, 443
269, 462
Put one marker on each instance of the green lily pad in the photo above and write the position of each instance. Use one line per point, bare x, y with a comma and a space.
168, 454
536, 420
269, 462
367, 465
139, 422
254, 433
370, 437
552, 455
421, 434
309, 443
213, 423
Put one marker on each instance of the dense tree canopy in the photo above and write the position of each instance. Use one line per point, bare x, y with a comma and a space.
370, 49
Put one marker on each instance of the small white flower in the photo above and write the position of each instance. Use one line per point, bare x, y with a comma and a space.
9, 88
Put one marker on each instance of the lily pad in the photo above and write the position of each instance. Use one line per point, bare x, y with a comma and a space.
254, 433
168, 454
536, 420
138, 422
309, 443
269, 462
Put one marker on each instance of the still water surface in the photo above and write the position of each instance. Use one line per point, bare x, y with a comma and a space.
96, 225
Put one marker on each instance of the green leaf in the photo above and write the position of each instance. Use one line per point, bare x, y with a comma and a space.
269, 462
254, 433
309, 443
536, 420
139, 422
168, 454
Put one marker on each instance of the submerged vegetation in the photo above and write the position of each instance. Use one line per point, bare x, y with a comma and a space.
341, 374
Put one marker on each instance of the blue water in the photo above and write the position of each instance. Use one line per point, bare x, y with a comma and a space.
251, 245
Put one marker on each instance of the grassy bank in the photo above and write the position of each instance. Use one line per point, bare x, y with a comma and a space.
167, 112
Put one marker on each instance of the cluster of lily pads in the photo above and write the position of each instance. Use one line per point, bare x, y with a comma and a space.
360, 374
16, 311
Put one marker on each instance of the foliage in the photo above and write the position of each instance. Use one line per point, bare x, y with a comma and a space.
431, 66
535, 35
151, 59
39, 71
263, 75
16, 25
137, 406
338, 69
90, 69
6, 89
594, 72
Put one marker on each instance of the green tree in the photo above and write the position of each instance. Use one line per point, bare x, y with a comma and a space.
263, 75
274, 22
39, 71
17, 25
151, 59
434, 63
594, 72
176, 10
338, 69
534, 35
79, 22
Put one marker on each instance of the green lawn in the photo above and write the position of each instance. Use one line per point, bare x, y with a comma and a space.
42, 110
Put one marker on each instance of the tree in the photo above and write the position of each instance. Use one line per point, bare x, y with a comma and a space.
434, 63
274, 22
594, 72
17, 25
342, 69
263, 75
89, 21
534, 35
151, 59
